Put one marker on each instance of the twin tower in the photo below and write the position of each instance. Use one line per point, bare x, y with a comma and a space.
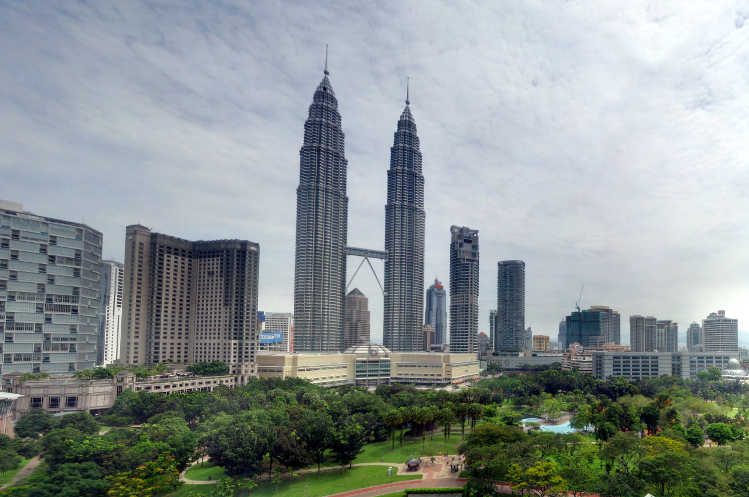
322, 228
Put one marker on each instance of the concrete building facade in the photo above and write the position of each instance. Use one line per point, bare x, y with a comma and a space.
110, 312
281, 322
694, 337
667, 335
611, 323
405, 220
719, 333
50, 290
435, 312
464, 289
510, 328
656, 364
642, 333
541, 343
357, 319
321, 228
189, 301
428, 338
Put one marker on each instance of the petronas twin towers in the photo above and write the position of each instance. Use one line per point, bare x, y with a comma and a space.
322, 225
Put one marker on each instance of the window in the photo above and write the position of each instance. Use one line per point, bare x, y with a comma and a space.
54, 402
36, 402
71, 402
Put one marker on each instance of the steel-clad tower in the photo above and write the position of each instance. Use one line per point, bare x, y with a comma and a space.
464, 289
321, 228
404, 241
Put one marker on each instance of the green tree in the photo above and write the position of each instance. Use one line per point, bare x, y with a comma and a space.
392, 419
152, 478
240, 447
666, 471
215, 368
35, 423
446, 418
624, 450
719, 433
553, 408
347, 442
541, 480
695, 436
81, 421
9, 460
72, 480
291, 450
316, 429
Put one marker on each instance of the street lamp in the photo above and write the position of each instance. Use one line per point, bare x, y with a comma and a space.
306, 489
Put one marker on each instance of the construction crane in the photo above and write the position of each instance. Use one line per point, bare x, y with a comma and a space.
577, 304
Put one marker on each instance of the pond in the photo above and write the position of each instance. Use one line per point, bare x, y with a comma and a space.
562, 428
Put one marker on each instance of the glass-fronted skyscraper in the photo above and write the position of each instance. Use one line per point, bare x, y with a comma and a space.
50, 273
510, 332
404, 241
464, 289
435, 313
582, 326
321, 228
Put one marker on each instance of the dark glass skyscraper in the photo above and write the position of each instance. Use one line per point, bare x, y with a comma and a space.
435, 314
321, 228
510, 332
404, 241
464, 289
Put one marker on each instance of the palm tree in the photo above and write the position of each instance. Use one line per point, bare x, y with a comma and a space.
435, 417
447, 418
461, 411
426, 416
475, 410
405, 417
391, 419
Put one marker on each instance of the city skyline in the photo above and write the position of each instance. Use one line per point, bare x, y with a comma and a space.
534, 147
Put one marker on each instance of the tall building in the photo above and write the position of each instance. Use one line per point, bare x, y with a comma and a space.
110, 312
510, 333
404, 240
464, 289
428, 338
541, 343
321, 228
357, 319
694, 337
610, 323
582, 326
719, 333
528, 339
562, 336
281, 322
435, 314
483, 344
642, 333
666, 336
50, 286
189, 301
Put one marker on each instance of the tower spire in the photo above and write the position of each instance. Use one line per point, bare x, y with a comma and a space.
326, 59
407, 82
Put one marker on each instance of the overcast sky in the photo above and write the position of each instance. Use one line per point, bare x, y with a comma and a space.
601, 143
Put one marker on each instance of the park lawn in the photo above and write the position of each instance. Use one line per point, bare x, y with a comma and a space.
201, 473
395, 494
8, 475
375, 452
104, 429
328, 482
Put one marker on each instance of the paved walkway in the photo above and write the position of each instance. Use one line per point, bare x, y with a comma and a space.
26, 471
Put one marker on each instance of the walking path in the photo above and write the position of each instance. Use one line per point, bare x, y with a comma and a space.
26, 471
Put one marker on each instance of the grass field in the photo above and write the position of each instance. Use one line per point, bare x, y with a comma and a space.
8, 475
201, 473
328, 482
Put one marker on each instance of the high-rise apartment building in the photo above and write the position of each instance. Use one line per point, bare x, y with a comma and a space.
666, 335
510, 332
562, 336
110, 312
541, 343
582, 326
404, 241
435, 313
610, 323
483, 344
694, 337
281, 322
357, 319
492, 324
189, 301
719, 333
464, 289
642, 333
428, 338
50, 287
528, 339
321, 228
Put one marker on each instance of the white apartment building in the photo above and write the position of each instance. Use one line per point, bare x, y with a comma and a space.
281, 322
719, 333
110, 317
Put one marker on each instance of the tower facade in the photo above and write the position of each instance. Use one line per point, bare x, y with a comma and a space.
694, 337
667, 335
642, 333
610, 323
435, 313
510, 333
719, 333
321, 228
464, 289
357, 319
110, 312
404, 241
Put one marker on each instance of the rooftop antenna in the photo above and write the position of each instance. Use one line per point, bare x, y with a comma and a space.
326, 59
577, 304
407, 81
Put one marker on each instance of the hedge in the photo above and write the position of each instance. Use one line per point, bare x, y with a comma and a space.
456, 490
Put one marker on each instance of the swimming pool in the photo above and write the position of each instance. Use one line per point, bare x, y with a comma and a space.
563, 428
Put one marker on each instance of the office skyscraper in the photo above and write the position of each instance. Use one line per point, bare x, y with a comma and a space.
562, 336
694, 337
719, 333
464, 289
435, 314
404, 241
110, 312
610, 323
321, 228
357, 319
189, 301
281, 322
510, 331
582, 326
642, 333
492, 324
50, 286
667, 336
